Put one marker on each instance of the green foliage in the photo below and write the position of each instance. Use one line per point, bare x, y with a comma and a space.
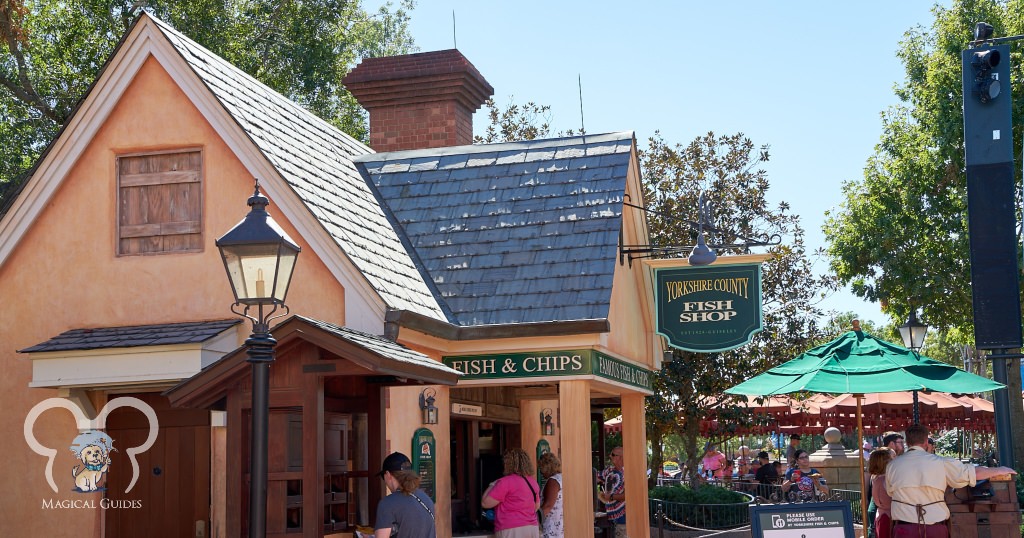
515, 122
900, 237
726, 170
51, 51
709, 507
528, 121
706, 494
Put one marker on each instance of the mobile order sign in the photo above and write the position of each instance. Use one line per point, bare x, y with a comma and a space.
801, 520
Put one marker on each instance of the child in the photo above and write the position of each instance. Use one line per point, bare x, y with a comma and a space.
727, 471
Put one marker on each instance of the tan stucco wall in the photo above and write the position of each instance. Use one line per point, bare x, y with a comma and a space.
631, 314
64, 274
403, 419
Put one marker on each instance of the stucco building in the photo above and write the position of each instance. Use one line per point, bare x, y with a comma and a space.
486, 277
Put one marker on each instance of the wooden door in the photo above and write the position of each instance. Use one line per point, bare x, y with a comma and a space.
172, 495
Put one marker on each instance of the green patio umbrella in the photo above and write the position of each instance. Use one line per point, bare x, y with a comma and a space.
859, 363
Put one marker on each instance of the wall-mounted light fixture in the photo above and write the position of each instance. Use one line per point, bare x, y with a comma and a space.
427, 406
547, 422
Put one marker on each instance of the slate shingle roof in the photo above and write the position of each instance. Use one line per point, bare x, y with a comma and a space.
134, 336
511, 233
314, 158
381, 346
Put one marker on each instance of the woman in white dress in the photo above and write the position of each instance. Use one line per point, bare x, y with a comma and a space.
551, 504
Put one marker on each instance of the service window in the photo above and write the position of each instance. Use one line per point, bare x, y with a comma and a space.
159, 203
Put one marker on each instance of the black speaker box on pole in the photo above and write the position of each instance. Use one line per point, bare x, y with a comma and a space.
993, 239
991, 199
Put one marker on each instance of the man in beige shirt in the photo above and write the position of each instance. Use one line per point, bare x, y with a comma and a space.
917, 483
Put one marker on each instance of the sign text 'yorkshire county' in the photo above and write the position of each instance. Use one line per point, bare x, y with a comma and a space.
709, 309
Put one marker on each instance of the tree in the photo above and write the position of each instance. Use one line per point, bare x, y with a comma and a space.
51, 51
517, 122
900, 238
691, 387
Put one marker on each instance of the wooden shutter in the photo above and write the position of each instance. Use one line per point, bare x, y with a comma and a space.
160, 203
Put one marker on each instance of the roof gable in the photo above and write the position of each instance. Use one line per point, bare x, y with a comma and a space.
303, 162
519, 232
369, 353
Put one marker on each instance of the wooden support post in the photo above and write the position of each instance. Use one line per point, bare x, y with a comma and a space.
312, 452
634, 444
578, 508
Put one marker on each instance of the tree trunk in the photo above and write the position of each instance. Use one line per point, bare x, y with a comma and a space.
657, 457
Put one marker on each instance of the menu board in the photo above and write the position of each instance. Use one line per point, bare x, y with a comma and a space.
801, 520
424, 460
542, 448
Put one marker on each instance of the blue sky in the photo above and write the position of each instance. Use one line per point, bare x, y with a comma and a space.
808, 78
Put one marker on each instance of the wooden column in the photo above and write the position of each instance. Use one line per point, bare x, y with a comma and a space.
634, 445
375, 418
312, 453
238, 481
577, 474
442, 481
218, 473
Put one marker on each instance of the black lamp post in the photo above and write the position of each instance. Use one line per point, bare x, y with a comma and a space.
259, 259
913, 332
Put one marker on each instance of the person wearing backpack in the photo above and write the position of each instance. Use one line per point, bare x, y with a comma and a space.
515, 498
408, 512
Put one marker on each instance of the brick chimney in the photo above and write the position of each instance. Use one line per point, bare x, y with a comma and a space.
419, 101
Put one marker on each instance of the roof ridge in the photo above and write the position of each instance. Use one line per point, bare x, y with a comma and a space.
499, 146
167, 28
315, 160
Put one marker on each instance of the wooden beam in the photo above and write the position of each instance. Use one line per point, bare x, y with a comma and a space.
577, 509
634, 445
312, 453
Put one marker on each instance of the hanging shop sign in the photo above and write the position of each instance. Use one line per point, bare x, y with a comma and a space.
709, 308
579, 362
424, 460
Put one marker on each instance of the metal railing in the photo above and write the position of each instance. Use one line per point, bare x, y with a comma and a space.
676, 515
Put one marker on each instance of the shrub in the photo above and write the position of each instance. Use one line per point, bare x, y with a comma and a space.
708, 507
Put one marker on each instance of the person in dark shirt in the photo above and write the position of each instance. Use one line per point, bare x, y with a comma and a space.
766, 475
408, 511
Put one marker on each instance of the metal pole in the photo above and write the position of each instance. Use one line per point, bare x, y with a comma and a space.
917, 412
1004, 437
860, 451
261, 353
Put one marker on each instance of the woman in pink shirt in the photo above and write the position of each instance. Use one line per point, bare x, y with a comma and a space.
515, 498
713, 461
880, 458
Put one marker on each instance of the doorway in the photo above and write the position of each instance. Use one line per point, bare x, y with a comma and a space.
476, 449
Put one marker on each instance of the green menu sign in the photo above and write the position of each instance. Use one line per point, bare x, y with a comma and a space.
424, 461
550, 363
708, 309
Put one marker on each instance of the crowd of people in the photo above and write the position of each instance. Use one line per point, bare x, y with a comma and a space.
906, 487
906, 482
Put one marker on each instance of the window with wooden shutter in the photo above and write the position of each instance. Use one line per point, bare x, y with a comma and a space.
160, 203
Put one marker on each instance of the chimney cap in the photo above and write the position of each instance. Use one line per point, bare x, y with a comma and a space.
424, 77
